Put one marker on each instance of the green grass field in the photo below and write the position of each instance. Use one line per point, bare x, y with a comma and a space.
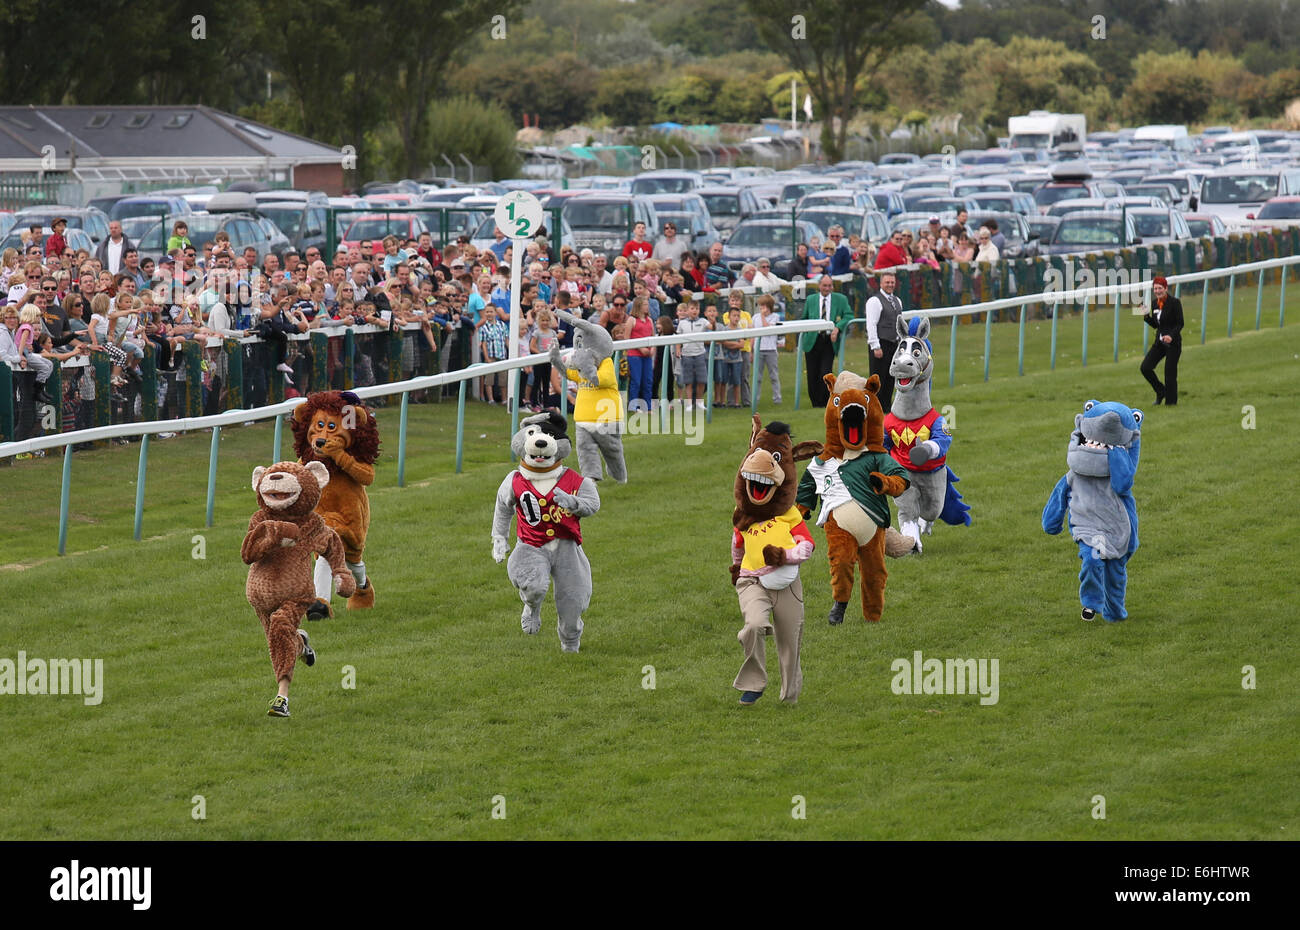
453, 705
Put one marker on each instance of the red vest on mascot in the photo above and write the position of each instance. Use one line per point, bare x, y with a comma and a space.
539, 519
906, 433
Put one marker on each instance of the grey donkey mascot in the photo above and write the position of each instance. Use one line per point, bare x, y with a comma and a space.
548, 500
918, 438
598, 412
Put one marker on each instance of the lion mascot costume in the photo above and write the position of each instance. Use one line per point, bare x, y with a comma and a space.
337, 430
854, 477
548, 500
769, 541
281, 538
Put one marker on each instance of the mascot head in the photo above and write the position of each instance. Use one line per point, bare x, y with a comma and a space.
913, 361
591, 346
334, 420
854, 418
287, 490
1101, 431
542, 442
767, 480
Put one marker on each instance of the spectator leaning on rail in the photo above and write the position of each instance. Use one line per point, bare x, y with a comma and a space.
717, 275
841, 256
893, 253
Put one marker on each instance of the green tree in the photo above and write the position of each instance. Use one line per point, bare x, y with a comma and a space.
833, 44
1167, 89
625, 96
482, 132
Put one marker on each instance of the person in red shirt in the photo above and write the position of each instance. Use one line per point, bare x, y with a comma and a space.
427, 251
55, 245
892, 252
637, 247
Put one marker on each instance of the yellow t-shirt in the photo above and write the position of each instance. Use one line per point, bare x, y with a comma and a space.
600, 402
746, 322
779, 531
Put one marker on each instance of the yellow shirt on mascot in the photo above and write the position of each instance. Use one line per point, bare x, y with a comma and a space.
600, 402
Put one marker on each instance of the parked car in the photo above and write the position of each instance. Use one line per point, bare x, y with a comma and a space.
149, 205
1021, 240
1232, 193
666, 182
977, 186
91, 219
303, 222
77, 239
1092, 231
948, 204
914, 221
447, 196
1183, 184
1159, 225
887, 202
105, 203
483, 235
602, 220
729, 205
900, 158
854, 199
1205, 225
392, 200
767, 237
369, 226
243, 228
871, 225
1167, 193
793, 190
285, 194
938, 182
1042, 226
1007, 202
1277, 213
6, 221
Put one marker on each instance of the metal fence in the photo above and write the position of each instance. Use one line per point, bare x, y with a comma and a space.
324, 366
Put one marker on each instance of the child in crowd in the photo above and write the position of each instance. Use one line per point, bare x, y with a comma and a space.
545, 393
769, 347
492, 336
727, 374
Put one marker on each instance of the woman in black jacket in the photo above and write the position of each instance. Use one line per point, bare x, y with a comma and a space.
1166, 318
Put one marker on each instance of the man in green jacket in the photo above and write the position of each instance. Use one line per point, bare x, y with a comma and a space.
820, 349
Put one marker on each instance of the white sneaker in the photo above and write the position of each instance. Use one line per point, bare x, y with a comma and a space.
701, 405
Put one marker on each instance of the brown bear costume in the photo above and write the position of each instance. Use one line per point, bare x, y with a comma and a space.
281, 538
852, 475
334, 428
769, 542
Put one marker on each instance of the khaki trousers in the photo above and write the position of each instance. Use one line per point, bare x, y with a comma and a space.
778, 612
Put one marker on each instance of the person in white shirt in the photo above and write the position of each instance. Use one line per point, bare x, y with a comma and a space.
693, 356
669, 249
763, 279
113, 249
882, 312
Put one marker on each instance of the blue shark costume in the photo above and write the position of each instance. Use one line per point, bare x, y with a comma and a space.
1097, 494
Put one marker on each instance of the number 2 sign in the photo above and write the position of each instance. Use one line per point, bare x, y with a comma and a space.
518, 214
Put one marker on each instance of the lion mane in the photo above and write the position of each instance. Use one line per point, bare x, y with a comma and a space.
363, 443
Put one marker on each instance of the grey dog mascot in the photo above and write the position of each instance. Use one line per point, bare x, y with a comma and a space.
548, 500
598, 412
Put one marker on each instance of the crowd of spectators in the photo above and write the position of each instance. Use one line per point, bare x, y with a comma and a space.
58, 304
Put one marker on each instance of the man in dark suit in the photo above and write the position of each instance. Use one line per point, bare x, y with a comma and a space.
819, 348
1166, 318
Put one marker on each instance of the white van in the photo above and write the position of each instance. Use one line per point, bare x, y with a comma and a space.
1167, 134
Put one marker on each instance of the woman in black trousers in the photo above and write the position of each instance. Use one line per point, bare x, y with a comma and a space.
1166, 318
